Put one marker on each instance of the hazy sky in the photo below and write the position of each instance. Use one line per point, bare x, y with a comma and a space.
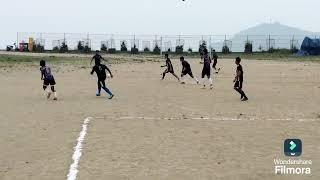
152, 16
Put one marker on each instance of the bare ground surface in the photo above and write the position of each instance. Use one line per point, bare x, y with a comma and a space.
175, 131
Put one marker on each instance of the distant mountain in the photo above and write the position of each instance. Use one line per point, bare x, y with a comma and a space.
273, 35
274, 29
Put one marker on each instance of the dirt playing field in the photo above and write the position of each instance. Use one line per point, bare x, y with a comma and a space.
156, 129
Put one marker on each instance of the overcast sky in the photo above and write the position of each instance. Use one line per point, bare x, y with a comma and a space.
152, 16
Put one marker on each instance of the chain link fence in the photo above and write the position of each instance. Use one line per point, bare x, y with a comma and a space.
166, 43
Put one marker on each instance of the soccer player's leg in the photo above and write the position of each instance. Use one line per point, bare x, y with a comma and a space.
191, 75
207, 73
45, 86
238, 88
214, 64
210, 80
183, 73
203, 74
52, 84
54, 93
99, 88
174, 74
243, 95
106, 89
164, 74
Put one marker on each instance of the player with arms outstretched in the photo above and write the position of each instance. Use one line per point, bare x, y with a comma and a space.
169, 68
97, 58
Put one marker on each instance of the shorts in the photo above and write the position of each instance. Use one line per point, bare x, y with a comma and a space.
49, 81
214, 63
169, 71
187, 72
102, 79
238, 84
206, 71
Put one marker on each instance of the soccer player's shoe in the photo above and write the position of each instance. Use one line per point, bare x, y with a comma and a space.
111, 96
245, 99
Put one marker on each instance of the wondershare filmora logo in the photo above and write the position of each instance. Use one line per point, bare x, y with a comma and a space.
292, 166
293, 147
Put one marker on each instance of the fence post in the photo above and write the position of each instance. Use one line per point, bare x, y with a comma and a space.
89, 42
17, 43
134, 40
161, 45
210, 45
269, 44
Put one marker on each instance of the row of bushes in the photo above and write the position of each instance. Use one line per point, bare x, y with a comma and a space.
84, 48
134, 49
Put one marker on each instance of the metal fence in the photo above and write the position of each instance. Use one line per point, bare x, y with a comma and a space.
165, 42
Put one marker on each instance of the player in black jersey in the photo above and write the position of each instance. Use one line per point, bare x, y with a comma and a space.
186, 69
169, 68
206, 71
97, 58
215, 61
100, 70
238, 80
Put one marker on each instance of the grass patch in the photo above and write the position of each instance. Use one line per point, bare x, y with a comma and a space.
78, 60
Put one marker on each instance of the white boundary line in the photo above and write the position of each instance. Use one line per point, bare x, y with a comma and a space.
73, 171
212, 118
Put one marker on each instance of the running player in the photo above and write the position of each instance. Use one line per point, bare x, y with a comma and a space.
169, 68
100, 70
206, 71
48, 79
186, 69
238, 80
215, 61
97, 58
